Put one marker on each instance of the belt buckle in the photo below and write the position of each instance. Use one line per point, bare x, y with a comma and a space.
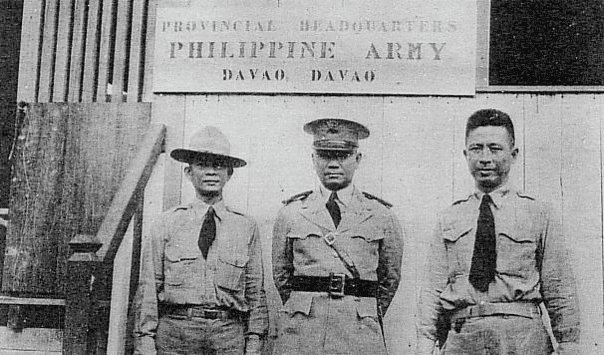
211, 314
329, 238
336, 285
480, 310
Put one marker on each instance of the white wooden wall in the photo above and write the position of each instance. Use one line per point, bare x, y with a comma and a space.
413, 159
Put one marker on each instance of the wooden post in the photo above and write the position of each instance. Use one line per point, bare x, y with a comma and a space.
78, 297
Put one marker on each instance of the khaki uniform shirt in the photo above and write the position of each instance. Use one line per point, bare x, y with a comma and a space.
532, 264
173, 271
370, 235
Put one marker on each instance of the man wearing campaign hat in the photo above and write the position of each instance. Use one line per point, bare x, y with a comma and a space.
201, 282
336, 254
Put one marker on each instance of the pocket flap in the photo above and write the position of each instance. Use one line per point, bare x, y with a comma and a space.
304, 231
234, 260
369, 233
454, 232
177, 253
299, 302
517, 234
367, 307
296, 236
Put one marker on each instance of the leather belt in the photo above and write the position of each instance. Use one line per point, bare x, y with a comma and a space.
522, 309
337, 285
192, 311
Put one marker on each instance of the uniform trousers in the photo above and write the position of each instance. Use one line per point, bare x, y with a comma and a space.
498, 335
331, 326
178, 335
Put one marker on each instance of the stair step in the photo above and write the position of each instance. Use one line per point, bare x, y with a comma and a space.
31, 341
32, 301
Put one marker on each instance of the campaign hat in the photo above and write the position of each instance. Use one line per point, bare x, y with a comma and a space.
209, 143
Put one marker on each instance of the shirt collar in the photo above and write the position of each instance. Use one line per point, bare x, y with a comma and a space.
344, 195
498, 195
202, 208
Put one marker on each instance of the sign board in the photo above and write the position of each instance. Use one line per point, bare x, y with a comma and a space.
424, 47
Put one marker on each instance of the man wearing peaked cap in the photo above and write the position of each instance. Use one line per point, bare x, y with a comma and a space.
201, 282
336, 254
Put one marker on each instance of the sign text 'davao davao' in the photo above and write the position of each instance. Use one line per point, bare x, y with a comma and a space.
411, 47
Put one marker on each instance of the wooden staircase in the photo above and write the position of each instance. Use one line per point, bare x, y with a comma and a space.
80, 312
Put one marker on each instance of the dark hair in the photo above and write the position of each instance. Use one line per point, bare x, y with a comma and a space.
490, 117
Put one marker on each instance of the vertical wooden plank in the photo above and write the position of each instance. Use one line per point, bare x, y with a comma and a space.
29, 54
120, 54
136, 65
120, 294
71, 160
31, 245
601, 107
49, 39
77, 51
91, 53
582, 207
482, 43
418, 178
64, 33
276, 144
79, 300
542, 148
170, 110
105, 56
149, 45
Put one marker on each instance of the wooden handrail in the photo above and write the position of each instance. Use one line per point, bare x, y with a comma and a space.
94, 254
124, 204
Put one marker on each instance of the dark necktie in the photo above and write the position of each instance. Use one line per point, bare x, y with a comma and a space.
334, 209
484, 259
207, 233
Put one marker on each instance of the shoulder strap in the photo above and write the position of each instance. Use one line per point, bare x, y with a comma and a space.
332, 240
372, 197
297, 197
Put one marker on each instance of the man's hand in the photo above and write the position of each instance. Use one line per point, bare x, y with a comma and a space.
253, 345
568, 348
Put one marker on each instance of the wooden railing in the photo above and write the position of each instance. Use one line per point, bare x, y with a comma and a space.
89, 272
86, 51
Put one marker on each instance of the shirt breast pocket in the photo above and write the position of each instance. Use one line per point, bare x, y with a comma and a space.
516, 252
306, 240
459, 248
230, 272
366, 239
180, 264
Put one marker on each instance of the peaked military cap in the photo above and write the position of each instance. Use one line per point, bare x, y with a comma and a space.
207, 143
336, 133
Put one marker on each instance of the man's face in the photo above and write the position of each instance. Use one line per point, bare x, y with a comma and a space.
336, 168
490, 154
208, 177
